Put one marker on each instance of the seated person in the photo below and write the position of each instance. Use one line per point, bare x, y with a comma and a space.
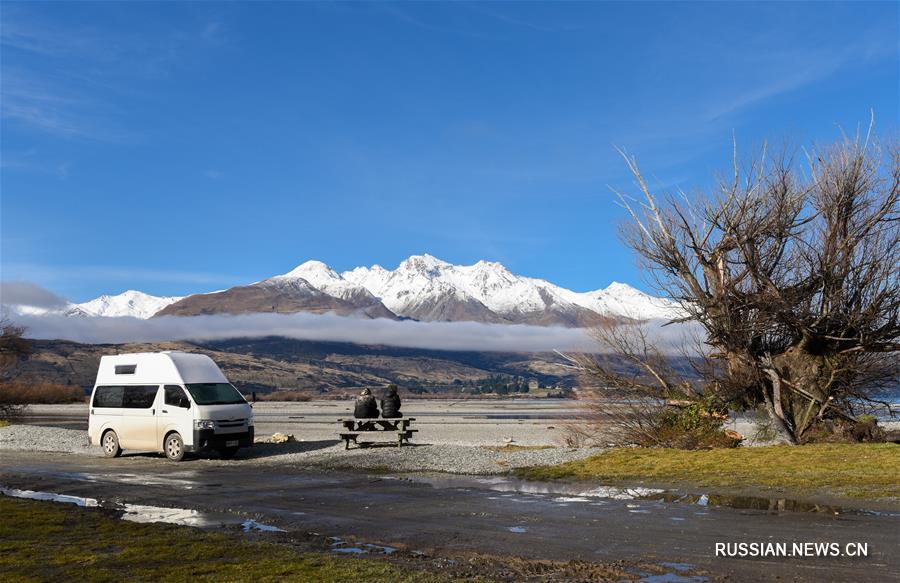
366, 408
390, 403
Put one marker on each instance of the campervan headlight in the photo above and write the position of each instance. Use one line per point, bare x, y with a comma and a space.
204, 424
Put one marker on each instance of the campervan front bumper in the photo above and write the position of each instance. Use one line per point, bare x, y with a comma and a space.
208, 439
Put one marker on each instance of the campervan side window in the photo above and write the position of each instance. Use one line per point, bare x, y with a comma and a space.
140, 397
108, 396
175, 396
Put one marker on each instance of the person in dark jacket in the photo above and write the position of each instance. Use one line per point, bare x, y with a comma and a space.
366, 408
390, 403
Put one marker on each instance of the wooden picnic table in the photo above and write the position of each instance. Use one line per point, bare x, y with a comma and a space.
353, 428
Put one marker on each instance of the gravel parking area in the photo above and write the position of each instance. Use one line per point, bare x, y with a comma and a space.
455, 459
325, 454
44, 439
456, 436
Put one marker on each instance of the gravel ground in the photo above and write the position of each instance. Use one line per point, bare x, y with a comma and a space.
455, 459
35, 438
326, 454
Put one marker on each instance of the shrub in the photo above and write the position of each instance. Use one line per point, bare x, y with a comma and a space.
19, 394
695, 425
298, 396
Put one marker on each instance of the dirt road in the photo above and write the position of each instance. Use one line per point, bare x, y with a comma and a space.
489, 515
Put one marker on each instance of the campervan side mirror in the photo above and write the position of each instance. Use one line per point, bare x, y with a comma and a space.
184, 403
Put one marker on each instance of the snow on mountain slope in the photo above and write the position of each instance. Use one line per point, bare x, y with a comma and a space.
422, 287
622, 299
130, 303
421, 281
311, 287
327, 280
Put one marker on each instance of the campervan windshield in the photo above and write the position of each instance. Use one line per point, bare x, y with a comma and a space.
214, 394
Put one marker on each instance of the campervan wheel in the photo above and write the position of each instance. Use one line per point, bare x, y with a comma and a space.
110, 444
174, 447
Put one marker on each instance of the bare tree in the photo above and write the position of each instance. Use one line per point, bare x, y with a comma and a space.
634, 392
792, 275
13, 347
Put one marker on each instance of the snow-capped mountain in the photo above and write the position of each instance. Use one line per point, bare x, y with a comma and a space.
328, 281
422, 287
311, 287
426, 288
130, 303
622, 299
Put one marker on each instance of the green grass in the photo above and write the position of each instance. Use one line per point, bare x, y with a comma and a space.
4, 423
41, 541
852, 470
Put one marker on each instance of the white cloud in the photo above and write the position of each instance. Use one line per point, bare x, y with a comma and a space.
25, 293
425, 335
429, 335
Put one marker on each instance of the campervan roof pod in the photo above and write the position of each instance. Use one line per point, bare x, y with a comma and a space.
158, 367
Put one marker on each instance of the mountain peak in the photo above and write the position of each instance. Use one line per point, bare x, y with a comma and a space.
133, 303
312, 268
618, 287
426, 263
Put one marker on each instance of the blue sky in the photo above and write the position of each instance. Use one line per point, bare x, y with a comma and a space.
178, 147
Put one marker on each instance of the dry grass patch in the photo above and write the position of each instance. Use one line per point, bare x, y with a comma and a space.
856, 470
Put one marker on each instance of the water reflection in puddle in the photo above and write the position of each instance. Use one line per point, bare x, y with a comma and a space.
564, 494
143, 513
184, 479
339, 545
48, 497
183, 516
677, 573
249, 525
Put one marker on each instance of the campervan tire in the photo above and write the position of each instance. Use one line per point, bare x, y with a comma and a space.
110, 444
174, 447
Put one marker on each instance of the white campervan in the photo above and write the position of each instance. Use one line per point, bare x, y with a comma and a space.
170, 402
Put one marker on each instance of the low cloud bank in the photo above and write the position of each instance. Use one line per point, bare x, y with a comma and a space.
25, 293
426, 335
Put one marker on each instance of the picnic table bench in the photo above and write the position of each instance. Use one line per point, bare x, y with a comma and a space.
353, 428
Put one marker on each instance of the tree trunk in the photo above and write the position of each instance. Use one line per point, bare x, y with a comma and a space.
775, 410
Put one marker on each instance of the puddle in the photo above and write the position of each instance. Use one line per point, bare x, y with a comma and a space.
142, 513
249, 525
183, 516
769, 505
185, 479
567, 493
349, 550
517, 529
48, 497
564, 492
677, 566
339, 545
